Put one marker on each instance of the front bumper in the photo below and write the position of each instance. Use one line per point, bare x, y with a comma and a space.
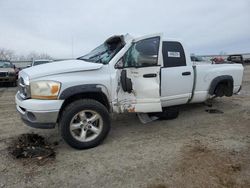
41, 114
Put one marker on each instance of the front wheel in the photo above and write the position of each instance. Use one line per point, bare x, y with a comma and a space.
84, 123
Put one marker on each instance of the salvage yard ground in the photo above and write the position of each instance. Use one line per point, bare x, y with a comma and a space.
198, 149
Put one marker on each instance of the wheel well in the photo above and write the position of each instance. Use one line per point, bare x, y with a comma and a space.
221, 86
98, 96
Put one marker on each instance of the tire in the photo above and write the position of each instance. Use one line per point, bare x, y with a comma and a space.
81, 112
219, 90
168, 113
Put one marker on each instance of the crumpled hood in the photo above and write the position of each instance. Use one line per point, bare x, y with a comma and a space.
59, 67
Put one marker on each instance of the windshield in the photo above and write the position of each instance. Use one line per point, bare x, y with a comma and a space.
105, 52
5, 64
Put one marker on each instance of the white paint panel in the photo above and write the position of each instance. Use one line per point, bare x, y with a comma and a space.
143, 107
175, 88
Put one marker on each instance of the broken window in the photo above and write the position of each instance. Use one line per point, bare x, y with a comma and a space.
143, 53
106, 51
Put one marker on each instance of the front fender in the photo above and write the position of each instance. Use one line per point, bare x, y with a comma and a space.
85, 88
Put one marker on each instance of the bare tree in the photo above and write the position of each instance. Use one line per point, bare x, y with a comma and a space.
34, 55
6, 54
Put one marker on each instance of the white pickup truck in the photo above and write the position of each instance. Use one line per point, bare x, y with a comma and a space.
137, 75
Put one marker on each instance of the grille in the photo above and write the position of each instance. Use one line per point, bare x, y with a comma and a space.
3, 74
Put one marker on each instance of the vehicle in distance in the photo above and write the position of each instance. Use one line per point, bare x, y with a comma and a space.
236, 58
8, 72
124, 74
197, 58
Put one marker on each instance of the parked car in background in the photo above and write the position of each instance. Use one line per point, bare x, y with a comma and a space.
219, 60
40, 62
8, 72
197, 58
247, 60
236, 58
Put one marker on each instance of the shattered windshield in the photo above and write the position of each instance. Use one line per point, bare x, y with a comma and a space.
105, 52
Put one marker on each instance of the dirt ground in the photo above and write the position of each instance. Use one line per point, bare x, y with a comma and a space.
198, 149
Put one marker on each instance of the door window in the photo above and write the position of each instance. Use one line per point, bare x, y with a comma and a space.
143, 53
173, 54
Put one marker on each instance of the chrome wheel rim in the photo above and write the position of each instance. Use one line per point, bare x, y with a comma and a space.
86, 125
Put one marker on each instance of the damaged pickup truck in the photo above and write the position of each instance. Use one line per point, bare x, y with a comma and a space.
147, 75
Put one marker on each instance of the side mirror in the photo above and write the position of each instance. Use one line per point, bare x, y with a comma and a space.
126, 82
119, 64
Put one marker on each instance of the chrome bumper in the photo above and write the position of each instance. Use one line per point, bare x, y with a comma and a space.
41, 114
42, 120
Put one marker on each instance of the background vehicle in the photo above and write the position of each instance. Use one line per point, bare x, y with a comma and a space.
124, 74
247, 61
236, 58
197, 58
8, 72
219, 60
40, 62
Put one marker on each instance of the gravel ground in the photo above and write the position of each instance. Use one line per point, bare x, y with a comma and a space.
198, 149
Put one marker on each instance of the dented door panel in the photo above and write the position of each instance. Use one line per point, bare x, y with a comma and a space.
142, 64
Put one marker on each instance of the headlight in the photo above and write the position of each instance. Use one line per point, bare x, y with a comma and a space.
44, 89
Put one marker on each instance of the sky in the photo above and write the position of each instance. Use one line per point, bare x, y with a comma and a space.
65, 29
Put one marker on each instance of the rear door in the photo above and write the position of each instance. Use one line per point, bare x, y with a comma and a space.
140, 76
176, 75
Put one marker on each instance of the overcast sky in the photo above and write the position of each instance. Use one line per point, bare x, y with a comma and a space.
49, 26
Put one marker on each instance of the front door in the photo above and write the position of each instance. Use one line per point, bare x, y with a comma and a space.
140, 76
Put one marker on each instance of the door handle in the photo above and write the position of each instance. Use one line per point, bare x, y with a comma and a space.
149, 75
186, 73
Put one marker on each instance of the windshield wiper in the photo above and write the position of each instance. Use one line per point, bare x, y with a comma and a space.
88, 60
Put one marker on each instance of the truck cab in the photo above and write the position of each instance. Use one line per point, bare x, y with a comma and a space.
123, 75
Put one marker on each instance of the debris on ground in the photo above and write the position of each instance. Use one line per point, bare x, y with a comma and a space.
31, 146
214, 111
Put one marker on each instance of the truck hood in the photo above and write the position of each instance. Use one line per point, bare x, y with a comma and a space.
59, 67
7, 70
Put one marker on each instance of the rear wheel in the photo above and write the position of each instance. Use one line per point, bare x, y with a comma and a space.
84, 123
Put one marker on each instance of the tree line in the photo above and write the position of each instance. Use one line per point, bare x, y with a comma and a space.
10, 55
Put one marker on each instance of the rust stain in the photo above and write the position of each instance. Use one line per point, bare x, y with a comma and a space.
131, 109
